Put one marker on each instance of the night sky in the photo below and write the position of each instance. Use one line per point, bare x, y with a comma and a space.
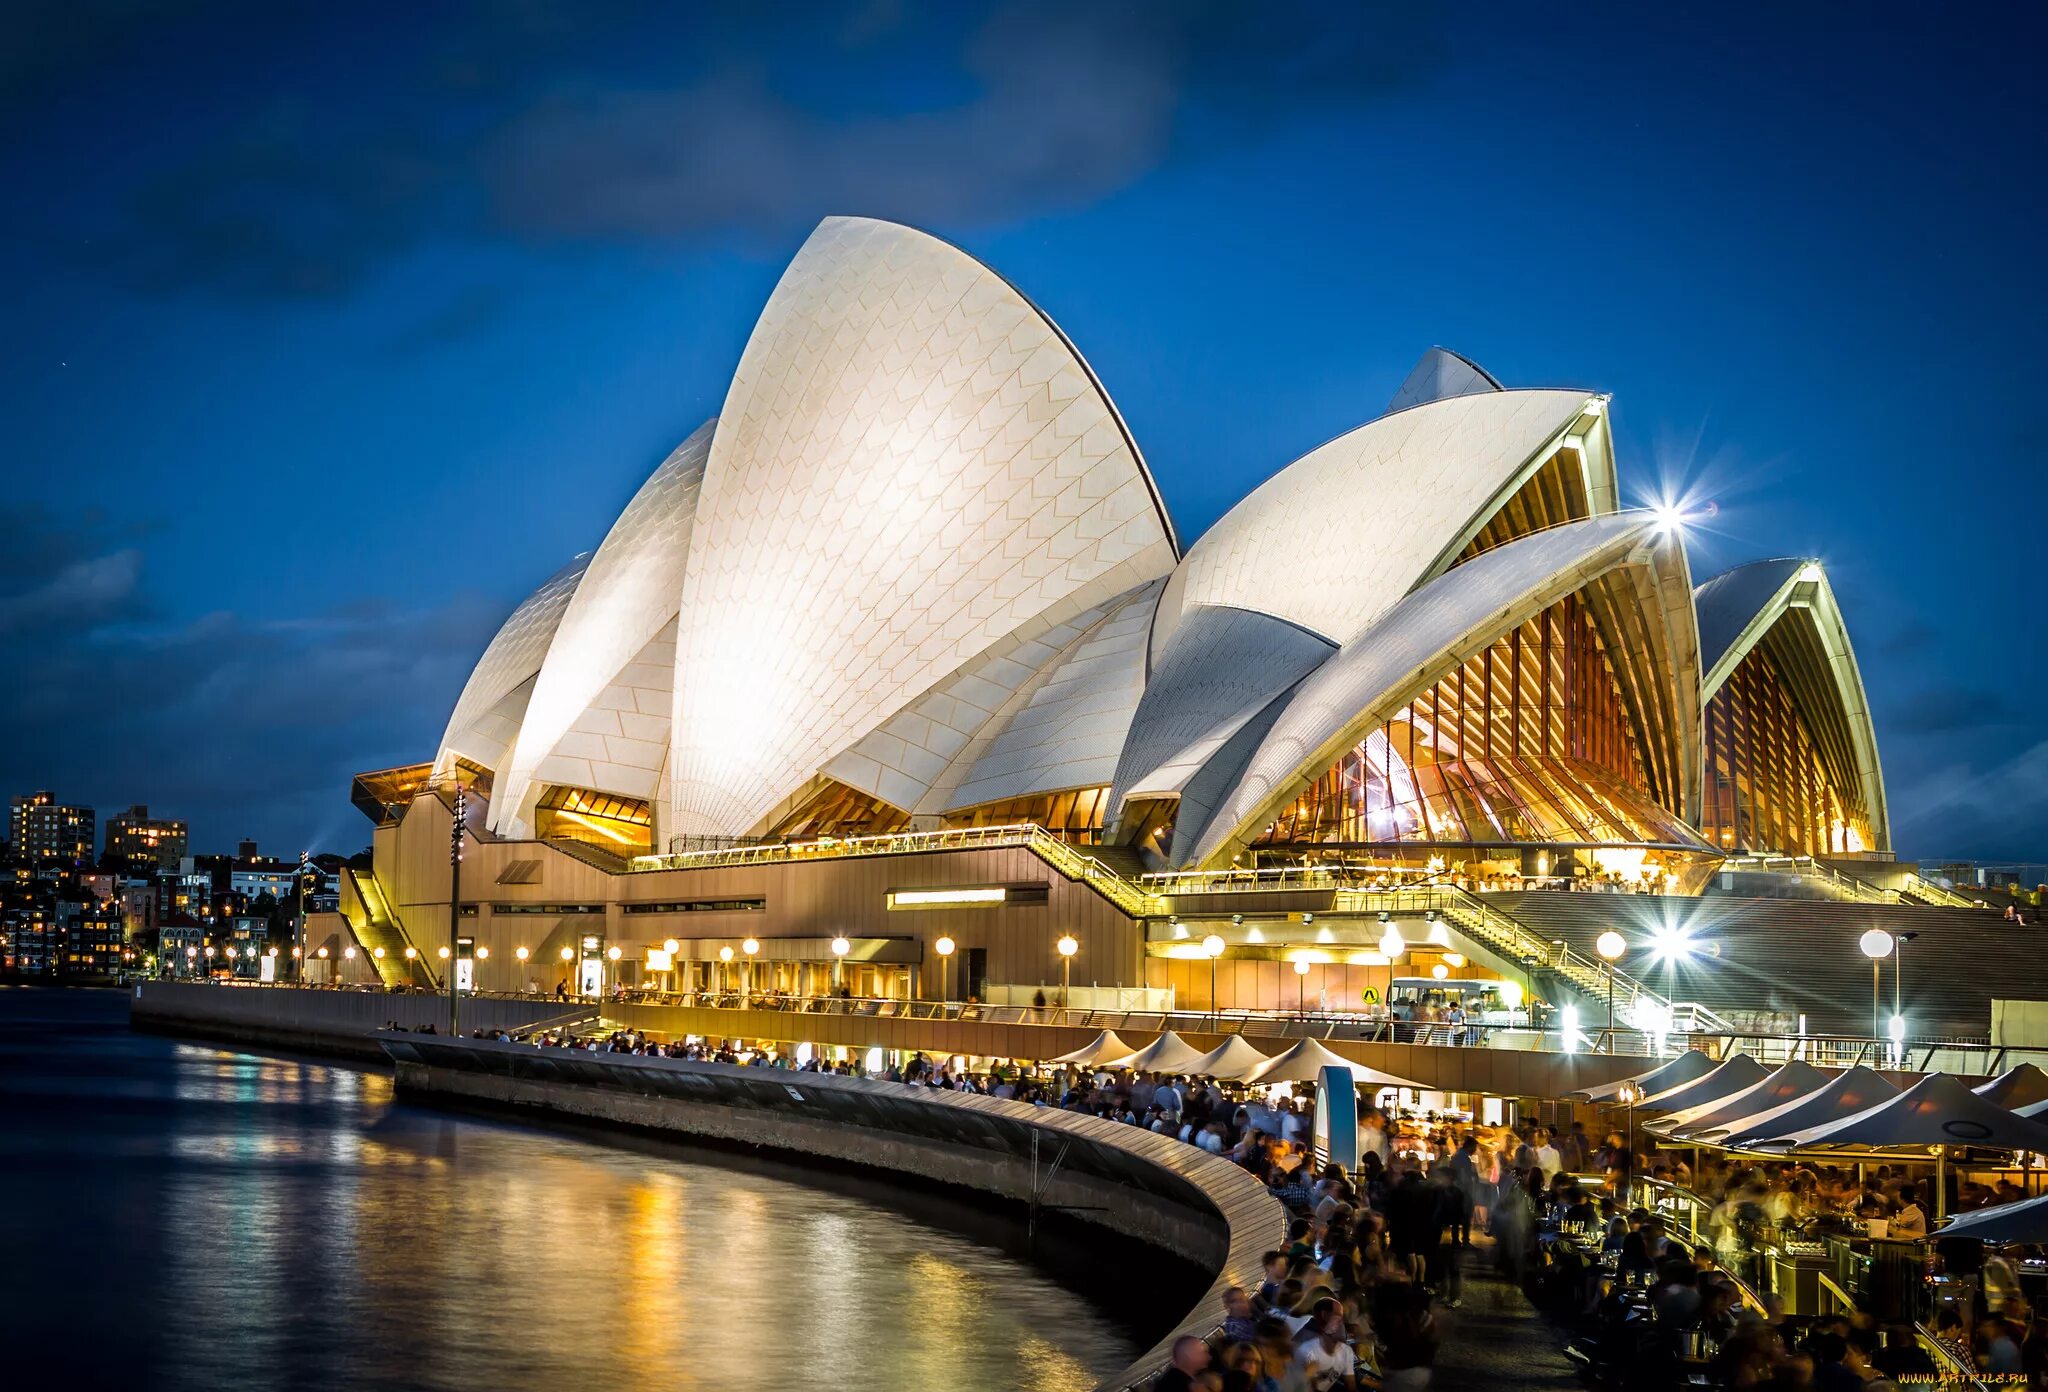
333, 330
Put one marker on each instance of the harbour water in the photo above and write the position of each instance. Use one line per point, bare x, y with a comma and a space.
182, 1216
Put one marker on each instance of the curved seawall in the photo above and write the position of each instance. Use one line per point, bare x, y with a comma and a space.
1171, 1196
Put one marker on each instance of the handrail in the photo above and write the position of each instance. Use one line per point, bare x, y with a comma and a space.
1931, 893
1074, 864
1806, 866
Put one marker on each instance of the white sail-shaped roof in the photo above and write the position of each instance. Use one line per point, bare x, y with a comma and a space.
627, 599
1335, 538
1787, 603
1066, 728
912, 464
1440, 375
1222, 668
1400, 655
485, 721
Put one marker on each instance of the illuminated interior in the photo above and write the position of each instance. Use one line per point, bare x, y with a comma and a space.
621, 825
1074, 815
1527, 744
1771, 786
833, 809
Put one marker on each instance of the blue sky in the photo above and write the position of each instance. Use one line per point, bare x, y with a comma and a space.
334, 330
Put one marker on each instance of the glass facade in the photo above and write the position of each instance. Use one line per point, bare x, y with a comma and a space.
1528, 743
834, 809
1769, 785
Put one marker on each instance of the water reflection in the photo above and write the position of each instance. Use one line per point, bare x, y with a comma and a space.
247, 1221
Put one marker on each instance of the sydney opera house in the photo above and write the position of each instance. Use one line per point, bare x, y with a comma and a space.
897, 673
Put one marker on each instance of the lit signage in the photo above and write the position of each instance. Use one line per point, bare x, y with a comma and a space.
947, 898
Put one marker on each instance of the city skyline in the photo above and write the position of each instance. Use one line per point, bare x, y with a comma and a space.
271, 563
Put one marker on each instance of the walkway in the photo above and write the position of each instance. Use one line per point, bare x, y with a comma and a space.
1496, 1341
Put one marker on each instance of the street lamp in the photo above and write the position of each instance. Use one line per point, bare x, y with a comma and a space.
750, 947
944, 947
1212, 948
1301, 985
1877, 945
1610, 945
1630, 1094
612, 955
672, 947
1067, 947
522, 954
725, 961
840, 947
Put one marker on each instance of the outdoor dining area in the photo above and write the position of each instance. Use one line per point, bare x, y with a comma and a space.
1907, 1205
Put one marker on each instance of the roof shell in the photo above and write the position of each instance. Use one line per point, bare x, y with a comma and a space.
1752, 605
912, 464
486, 717
1398, 656
626, 600
1378, 511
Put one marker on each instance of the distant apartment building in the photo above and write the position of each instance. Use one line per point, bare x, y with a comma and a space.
256, 877
41, 828
95, 939
135, 835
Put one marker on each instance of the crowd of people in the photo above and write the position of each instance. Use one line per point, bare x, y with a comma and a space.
1373, 1253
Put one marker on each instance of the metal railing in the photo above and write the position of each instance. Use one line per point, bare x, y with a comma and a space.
1806, 867
1069, 861
1928, 892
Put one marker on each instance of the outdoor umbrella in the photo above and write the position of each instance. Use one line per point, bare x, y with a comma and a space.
1103, 1046
2022, 1085
1685, 1068
1731, 1077
1169, 1053
1233, 1060
1854, 1091
1794, 1080
2024, 1221
1305, 1062
1936, 1111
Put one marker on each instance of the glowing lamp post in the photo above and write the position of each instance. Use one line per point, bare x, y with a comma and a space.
725, 968
750, 947
1877, 945
1301, 985
613, 954
945, 947
672, 947
1067, 946
1610, 945
841, 945
1212, 948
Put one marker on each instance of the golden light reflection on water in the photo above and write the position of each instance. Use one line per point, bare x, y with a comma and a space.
332, 1229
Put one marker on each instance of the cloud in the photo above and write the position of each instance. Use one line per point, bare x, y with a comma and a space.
562, 123
470, 310
1998, 812
242, 726
1948, 709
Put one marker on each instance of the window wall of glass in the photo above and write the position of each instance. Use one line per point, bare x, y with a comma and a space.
1769, 784
1528, 745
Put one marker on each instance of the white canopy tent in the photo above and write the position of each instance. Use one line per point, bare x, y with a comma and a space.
1737, 1072
1097, 1051
1233, 1060
1687, 1067
1794, 1080
1169, 1053
1305, 1062
1856, 1090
